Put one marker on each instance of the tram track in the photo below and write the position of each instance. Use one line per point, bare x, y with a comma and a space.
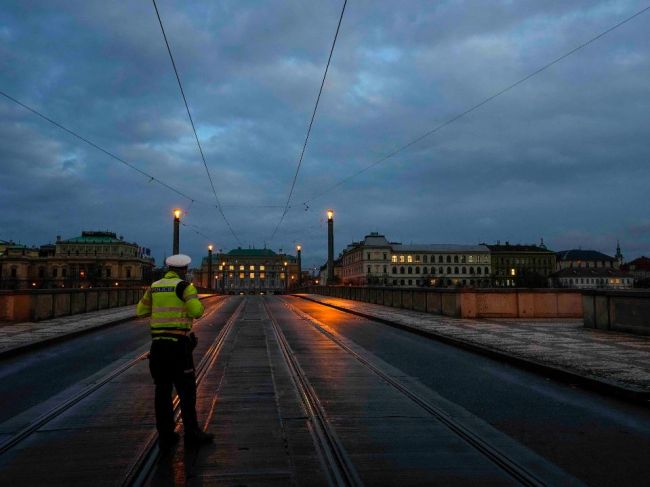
503, 461
149, 454
333, 456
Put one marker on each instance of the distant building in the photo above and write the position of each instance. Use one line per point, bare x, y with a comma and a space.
639, 269
521, 265
94, 259
249, 271
586, 258
593, 277
375, 261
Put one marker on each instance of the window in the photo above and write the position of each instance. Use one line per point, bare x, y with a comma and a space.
471, 270
368, 254
478, 270
231, 268
128, 272
426, 270
252, 275
401, 281
393, 258
394, 282
108, 272
281, 275
242, 275
455, 270
470, 259
241, 268
462, 260
409, 259
449, 259
464, 270
401, 270
368, 269
251, 267
13, 272
394, 270
455, 259
440, 259
385, 255
425, 259
410, 270
55, 272
417, 270
262, 268
401, 258
487, 271
448, 270
417, 258
385, 269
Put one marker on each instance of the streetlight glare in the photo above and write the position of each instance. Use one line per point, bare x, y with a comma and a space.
298, 247
177, 213
210, 247
330, 214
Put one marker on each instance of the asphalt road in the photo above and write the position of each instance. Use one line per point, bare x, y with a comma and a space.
599, 440
32, 378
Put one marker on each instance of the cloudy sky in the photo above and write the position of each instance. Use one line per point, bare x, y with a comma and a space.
564, 156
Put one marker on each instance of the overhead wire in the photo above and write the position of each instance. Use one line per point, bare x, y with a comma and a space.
196, 136
311, 123
473, 108
97, 146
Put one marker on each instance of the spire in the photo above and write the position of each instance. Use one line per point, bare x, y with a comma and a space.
541, 243
619, 255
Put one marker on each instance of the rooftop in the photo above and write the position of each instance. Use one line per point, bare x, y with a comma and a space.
95, 237
579, 254
591, 272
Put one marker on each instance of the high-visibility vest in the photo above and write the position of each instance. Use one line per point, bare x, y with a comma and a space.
172, 311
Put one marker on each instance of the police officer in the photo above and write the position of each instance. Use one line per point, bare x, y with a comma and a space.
173, 303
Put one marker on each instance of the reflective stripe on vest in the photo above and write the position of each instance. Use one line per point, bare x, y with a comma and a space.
167, 310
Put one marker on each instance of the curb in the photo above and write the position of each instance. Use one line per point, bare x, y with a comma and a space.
28, 347
562, 374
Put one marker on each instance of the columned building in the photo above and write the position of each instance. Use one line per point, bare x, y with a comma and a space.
93, 259
249, 271
375, 261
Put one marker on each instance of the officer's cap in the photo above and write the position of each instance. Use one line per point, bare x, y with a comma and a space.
178, 260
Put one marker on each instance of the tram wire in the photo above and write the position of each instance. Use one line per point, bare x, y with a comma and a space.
311, 123
473, 108
196, 136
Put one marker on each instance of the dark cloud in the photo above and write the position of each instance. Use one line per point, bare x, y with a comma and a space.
563, 156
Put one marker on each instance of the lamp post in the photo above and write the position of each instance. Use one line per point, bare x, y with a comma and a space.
177, 225
286, 275
299, 252
223, 275
210, 267
330, 247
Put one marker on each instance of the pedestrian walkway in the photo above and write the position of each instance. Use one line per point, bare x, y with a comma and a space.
15, 337
618, 361
18, 337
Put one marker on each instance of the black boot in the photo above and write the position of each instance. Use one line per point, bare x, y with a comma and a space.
198, 437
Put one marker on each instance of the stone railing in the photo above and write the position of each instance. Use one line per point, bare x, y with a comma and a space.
467, 303
627, 311
43, 304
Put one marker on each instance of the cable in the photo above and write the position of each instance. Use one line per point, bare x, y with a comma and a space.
196, 136
311, 122
94, 145
475, 107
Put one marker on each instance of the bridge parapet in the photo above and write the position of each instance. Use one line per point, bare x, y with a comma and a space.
468, 303
626, 311
43, 304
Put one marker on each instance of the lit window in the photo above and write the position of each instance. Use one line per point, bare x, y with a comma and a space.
252, 275
220, 267
281, 275
241, 267
241, 275
401, 258
262, 275
231, 268
393, 258
262, 268
409, 258
251, 268
513, 272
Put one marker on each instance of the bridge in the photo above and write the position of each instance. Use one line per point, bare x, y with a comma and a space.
314, 390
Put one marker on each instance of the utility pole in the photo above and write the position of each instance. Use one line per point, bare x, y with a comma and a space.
330, 247
210, 267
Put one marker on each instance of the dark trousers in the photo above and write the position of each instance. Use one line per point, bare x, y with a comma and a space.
171, 365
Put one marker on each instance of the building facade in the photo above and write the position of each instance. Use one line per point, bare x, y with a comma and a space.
593, 278
249, 271
568, 259
93, 259
375, 261
639, 269
521, 265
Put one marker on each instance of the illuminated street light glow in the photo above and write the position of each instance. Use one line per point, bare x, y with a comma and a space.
330, 214
298, 247
210, 247
177, 213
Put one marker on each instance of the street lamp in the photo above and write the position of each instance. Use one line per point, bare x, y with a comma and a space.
330, 247
299, 252
210, 267
223, 281
177, 225
286, 275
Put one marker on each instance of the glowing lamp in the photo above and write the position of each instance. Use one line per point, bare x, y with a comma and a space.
177, 214
330, 214
210, 247
298, 247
